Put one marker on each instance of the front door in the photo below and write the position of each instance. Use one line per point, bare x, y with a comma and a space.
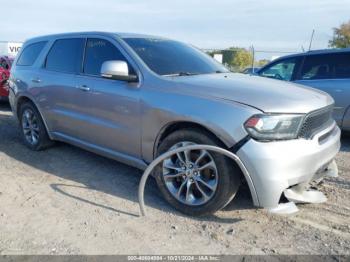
111, 107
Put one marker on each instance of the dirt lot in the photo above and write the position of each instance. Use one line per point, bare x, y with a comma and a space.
69, 201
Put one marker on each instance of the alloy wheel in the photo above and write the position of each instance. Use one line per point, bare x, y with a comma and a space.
30, 127
191, 176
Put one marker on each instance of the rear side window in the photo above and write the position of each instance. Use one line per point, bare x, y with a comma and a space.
317, 67
30, 54
65, 55
341, 65
97, 52
327, 66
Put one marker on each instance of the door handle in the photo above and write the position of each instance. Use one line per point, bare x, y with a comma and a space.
36, 80
83, 88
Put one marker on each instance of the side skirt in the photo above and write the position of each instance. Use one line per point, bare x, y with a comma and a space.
120, 157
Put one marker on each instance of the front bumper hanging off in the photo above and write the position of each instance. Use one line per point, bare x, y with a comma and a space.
277, 166
303, 193
300, 193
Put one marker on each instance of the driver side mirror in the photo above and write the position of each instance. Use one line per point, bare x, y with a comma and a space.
117, 70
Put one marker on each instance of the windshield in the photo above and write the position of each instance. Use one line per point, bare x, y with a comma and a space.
168, 57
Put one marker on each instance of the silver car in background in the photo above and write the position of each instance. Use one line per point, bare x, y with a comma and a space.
133, 97
327, 70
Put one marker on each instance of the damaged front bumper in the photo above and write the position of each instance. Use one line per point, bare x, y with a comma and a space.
291, 167
302, 193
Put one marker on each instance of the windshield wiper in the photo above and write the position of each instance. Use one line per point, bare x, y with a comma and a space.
182, 74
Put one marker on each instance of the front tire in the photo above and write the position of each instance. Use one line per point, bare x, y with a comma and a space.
198, 182
34, 132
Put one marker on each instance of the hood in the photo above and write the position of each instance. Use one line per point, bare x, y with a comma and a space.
268, 95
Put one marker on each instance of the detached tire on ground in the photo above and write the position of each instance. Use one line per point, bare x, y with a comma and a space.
33, 130
199, 182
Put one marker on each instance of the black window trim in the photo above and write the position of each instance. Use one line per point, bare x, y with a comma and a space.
34, 43
48, 52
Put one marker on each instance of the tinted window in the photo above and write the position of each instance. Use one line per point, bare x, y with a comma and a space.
341, 65
168, 57
281, 70
65, 55
316, 67
30, 54
99, 51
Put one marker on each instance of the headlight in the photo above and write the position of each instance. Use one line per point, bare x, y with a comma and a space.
274, 126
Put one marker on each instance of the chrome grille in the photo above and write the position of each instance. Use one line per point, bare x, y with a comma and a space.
315, 122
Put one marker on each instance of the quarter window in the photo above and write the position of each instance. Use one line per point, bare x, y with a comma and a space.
65, 55
281, 70
30, 54
97, 52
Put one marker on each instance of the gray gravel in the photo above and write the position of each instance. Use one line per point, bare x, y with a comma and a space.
69, 201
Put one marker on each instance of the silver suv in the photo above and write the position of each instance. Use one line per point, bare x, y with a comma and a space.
133, 97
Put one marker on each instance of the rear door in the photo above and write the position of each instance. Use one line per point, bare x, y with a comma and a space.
60, 99
329, 73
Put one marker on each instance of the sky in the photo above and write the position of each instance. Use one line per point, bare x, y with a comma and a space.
270, 25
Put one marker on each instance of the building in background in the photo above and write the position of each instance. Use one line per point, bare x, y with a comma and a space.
10, 48
218, 57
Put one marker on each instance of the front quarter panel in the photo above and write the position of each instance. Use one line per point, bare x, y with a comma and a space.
160, 109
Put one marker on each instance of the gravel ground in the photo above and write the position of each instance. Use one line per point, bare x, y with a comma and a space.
69, 201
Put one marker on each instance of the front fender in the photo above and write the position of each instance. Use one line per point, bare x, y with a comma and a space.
223, 118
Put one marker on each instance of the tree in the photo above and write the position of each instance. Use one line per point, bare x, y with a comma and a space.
341, 36
242, 59
235, 58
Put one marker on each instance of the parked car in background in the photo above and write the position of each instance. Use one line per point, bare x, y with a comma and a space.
250, 70
133, 97
5, 66
327, 70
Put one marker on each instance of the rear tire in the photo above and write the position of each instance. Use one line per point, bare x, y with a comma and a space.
223, 175
33, 130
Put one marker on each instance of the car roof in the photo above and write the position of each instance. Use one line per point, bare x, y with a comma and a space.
307, 53
316, 52
73, 34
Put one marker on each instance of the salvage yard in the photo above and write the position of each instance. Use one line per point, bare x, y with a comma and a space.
68, 201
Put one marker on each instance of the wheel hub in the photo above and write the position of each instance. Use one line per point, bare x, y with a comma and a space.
191, 177
30, 127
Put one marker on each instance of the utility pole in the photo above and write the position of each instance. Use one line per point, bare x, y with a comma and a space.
253, 57
312, 38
